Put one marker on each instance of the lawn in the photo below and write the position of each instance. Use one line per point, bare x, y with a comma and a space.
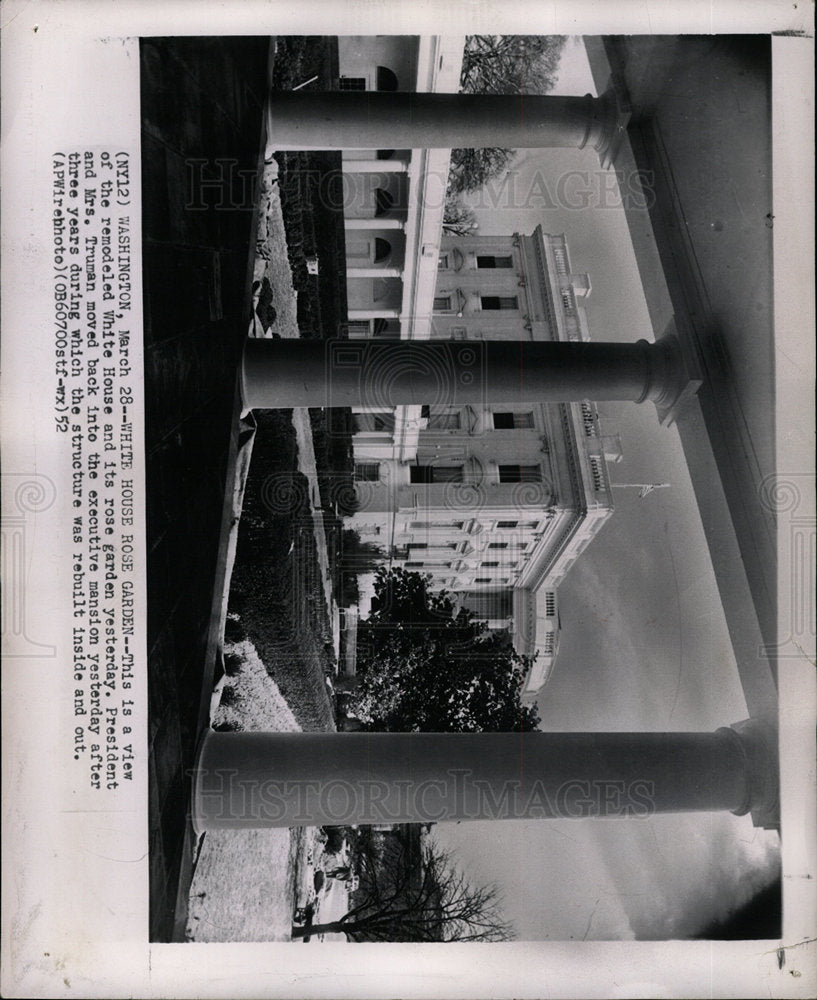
276, 598
245, 881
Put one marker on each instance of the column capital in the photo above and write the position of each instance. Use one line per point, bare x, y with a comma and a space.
670, 378
611, 116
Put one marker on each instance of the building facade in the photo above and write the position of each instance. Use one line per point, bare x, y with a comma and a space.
495, 502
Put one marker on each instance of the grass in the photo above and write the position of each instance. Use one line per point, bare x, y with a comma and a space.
311, 185
311, 188
243, 886
245, 880
276, 598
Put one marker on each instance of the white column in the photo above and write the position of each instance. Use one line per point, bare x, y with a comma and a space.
370, 120
375, 166
374, 272
354, 314
252, 780
378, 223
284, 373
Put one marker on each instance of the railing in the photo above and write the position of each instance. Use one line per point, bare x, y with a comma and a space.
589, 421
560, 256
598, 474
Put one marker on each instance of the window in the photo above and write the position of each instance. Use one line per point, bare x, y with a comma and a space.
488, 563
446, 421
386, 80
383, 202
367, 472
436, 474
386, 329
358, 328
352, 83
487, 261
511, 421
497, 545
507, 524
499, 302
382, 249
520, 474
442, 303
550, 605
373, 422
421, 525
442, 262
482, 579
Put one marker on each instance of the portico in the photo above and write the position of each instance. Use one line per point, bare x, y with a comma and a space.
263, 779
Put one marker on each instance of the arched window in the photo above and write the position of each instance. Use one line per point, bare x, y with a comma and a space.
386, 80
382, 249
383, 201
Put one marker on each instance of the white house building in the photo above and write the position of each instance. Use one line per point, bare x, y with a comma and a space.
493, 502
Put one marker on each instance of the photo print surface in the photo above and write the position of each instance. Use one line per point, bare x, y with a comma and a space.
461, 492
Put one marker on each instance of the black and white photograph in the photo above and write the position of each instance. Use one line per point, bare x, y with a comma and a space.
409, 503
443, 462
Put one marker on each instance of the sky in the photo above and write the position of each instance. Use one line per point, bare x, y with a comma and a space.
644, 644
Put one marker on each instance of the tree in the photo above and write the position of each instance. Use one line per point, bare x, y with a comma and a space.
411, 893
355, 557
501, 64
458, 218
510, 64
426, 666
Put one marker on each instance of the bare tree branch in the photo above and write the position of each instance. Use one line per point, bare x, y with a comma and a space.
416, 893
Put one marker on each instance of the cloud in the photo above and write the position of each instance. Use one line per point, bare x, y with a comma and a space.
699, 869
